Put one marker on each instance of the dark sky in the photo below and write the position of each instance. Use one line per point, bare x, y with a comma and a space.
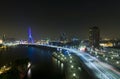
50, 18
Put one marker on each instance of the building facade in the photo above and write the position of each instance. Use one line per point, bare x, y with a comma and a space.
94, 36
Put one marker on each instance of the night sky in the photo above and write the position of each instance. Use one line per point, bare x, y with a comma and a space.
50, 18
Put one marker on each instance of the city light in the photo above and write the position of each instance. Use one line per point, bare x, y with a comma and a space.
4, 69
29, 64
60, 39
74, 74
72, 66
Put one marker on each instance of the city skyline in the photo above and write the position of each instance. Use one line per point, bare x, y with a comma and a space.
50, 18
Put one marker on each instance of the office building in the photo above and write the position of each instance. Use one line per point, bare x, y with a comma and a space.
94, 36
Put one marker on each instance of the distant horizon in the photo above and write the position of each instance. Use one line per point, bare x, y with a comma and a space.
48, 19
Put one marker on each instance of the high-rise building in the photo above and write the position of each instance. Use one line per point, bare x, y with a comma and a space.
94, 36
4, 38
63, 37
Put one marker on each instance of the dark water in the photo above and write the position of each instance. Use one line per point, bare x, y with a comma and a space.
44, 65
41, 59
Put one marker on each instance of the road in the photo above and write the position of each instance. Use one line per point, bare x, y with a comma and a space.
100, 69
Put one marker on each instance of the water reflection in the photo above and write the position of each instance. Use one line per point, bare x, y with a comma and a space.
29, 74
62, 66
42, 65
58, 64
30, 52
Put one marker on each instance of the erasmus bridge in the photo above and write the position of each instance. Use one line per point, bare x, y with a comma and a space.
30, 38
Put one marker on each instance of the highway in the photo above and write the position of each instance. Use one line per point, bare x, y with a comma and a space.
100, 69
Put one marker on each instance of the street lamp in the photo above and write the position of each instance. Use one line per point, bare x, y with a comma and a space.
111, 57
70, 61
117, 62
74, 74
79, 68
72, 66
106, 59
70, 57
